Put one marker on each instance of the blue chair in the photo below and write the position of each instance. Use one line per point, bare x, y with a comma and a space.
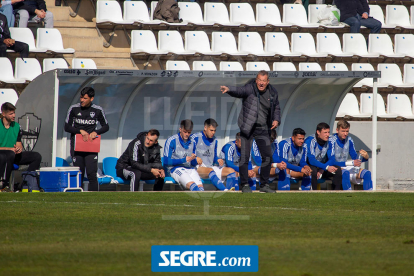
60, 162
108, 168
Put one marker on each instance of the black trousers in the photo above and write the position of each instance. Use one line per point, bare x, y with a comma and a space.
19, 47
136, 175
263, 143
88, 160
8, 158
336, 178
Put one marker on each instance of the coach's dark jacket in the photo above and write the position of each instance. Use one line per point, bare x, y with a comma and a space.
140, 157
251, 105
349, 8
30, 5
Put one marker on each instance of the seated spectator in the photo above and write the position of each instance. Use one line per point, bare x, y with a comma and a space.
293, 153
321, 157
33, 9
6, 42
6, 8
355, 13
142, 160
11, 148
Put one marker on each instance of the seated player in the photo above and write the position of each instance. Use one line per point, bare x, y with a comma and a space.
231, 155
207, 159
294, 153
351, 171
277, 165
180, 158
321, 157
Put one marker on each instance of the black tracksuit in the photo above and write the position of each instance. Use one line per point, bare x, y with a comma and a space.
137, 161
85, 118
19, 47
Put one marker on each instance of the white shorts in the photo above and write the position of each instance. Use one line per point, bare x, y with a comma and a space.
218, 170
352, 174
184, 175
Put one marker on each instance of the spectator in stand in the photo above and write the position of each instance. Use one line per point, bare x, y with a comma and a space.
6, 42
33, 9
355, 13
6, 8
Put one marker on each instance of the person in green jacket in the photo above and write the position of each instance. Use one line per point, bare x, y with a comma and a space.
11, 148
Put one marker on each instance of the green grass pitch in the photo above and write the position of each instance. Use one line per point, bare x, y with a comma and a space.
299, 234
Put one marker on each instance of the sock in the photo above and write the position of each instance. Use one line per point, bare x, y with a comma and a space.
194, 187
216, 181
201, 189
346, 181
306, 183
252, 183
231, 181
366, 176
284, 181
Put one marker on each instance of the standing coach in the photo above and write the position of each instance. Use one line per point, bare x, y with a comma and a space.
259, 115
83, 118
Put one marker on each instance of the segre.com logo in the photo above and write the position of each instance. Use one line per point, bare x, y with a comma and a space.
205, 258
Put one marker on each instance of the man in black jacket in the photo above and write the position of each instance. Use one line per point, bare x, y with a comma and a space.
355, 13
35, 9
142, 160
6, 42
259, 115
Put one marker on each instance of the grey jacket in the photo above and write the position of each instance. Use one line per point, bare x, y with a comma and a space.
251, 105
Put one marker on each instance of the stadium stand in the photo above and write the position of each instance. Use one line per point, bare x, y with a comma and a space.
336, 67
54, 63
204, 66
277, 44
349, 108
226, 43
400, 105
404, 44
51, 40
177, 65
304, 44
190, 13
242, 14
296, 15
217, 14
366, 100
390, 75
25, 35
257, 66
376, 12
143, 42
409, 74
269, 15
231, 66
251, 43
382, 44
363, 67
6, 72
309, 66
8, 95
357, 45
137, 12
283, 66
329, 43
198, 42
27, 69
398, 16
83, 63
172, 42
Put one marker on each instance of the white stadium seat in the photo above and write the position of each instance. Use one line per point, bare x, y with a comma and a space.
27, 69
349, 107
217, 13
376, 12
177, 65
404, 44
366, 106
231, 66
143, 42
412, 15
54, 63
25, 35
309, 66
171, 41
329, 43
190, 12
204, 66
283, 66
6, 72
409, 74
277, 44
83, 63
305, 44
109, 12
313, 16
336, 67
197, 41
295, 14
382, 44
51, 40
242, 13
257, 66
8, 95
225, 42
356, 45
137, 11
390, 75
397, 16
251, 42
363, 67
400, 105
269, 14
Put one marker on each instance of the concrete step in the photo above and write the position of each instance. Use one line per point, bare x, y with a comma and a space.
83, 32
70, 24
83, 44
80, 54
86, 11
59, 13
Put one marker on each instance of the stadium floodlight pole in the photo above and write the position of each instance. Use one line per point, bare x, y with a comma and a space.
374, 133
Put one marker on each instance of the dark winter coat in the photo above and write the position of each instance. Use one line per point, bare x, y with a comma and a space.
30, 5
4, 28
167, 10
140, 157
251, 105
350, 8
